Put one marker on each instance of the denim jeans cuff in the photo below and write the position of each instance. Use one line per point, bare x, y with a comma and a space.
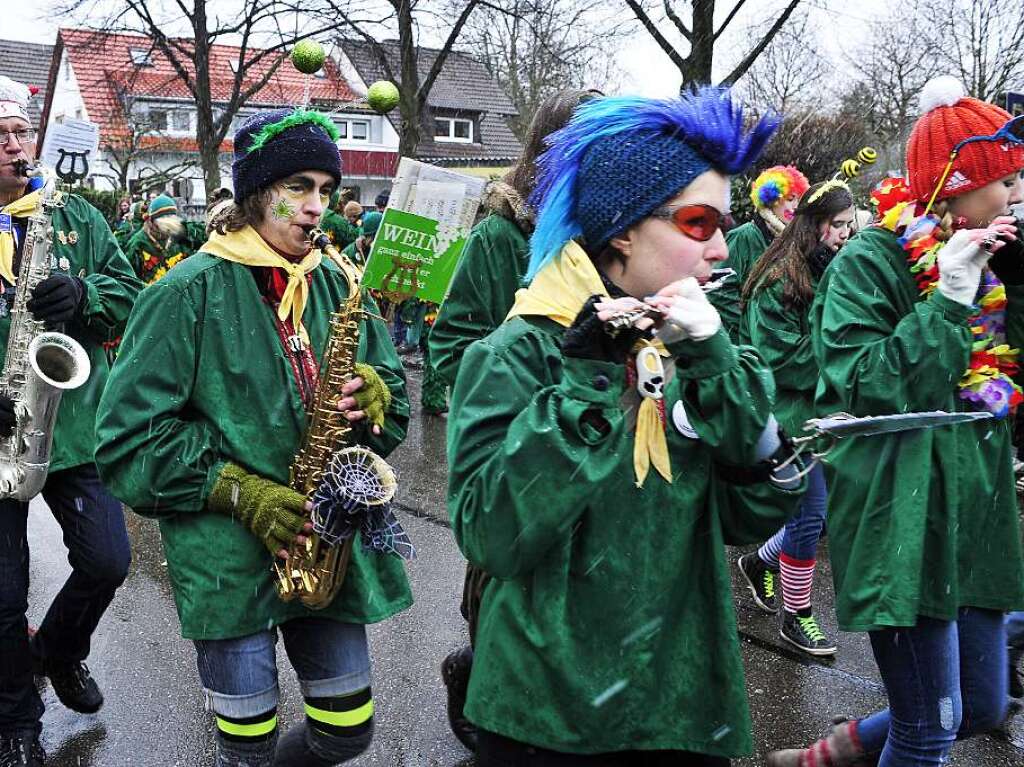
336, 686
241, 706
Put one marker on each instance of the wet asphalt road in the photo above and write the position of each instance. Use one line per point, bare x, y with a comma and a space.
154, 714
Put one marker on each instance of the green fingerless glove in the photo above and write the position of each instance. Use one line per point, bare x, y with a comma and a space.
274, 513
374, 398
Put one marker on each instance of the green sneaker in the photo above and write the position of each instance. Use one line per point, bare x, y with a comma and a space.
760, 580
805, 634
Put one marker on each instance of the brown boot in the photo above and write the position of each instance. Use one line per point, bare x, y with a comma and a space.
840, 749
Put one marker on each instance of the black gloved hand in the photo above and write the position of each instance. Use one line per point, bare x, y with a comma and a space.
56, 299
7, 419
1007, 263
587, 337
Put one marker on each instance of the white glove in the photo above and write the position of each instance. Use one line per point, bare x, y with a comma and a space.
689, 314
960, 263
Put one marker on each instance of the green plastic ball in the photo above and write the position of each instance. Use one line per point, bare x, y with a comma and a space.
308, 56
382, 96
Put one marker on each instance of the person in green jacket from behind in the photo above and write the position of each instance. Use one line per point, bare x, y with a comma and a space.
775, 194
587, 465
925, 312
203, 416
494, 261
777, 301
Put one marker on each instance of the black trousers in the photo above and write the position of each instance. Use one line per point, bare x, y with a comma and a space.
497, 751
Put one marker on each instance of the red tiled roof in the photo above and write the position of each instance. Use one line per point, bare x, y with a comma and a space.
103, 67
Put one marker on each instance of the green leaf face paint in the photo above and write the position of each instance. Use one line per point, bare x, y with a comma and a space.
282, 210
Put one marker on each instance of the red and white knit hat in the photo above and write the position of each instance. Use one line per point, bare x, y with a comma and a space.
948, 116
14, 99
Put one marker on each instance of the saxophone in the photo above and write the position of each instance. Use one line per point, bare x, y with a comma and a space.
40, 365
315, 571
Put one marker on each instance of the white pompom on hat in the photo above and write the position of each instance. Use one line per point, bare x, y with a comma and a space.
942, 91
948, 116
14, 99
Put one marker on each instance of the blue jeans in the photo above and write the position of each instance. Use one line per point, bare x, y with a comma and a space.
92, 523
240, 675
945, 681
799, 538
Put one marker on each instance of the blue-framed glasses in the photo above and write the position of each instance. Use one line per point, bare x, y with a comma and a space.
1013, 132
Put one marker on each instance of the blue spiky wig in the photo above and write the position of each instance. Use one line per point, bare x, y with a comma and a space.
621, 157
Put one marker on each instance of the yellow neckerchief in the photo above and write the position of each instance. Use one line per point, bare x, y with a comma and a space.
246, 247
558, 292
23, 206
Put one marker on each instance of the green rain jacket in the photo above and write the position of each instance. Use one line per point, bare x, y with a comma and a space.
338, 229
783, 338
494, 261
84, 246
609, 623
746, 243
201, 379
924, 522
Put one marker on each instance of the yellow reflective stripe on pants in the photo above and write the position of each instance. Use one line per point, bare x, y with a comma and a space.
341, 718
247, 730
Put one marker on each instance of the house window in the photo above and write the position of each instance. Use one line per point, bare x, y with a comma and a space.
140, 57
157, 119
453, 129
181, 120
353, 130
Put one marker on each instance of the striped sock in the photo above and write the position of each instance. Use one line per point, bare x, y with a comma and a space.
797, 577
770, 550
343, 715
250, 729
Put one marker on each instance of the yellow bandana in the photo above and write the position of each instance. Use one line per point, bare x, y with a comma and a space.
558, 292
23, 206
247, 247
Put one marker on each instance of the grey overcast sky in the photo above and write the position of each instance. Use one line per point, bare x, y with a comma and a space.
646, 69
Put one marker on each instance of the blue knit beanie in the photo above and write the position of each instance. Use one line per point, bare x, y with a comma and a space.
620, 158
273, 145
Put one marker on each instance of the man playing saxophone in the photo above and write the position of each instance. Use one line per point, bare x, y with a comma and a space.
203, 414
88, 294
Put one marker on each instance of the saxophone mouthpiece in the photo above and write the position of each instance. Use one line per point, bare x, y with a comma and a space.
25, 169
319, 239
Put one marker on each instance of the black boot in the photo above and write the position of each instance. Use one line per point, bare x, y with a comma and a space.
455, 673
21, 749
72, 682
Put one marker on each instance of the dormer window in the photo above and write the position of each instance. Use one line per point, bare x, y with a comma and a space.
140, 57
453, 129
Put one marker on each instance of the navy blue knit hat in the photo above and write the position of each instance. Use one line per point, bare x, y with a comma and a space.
273, 145
622, 157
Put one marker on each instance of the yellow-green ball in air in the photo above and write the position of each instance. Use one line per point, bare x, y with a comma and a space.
308, 56
382, 96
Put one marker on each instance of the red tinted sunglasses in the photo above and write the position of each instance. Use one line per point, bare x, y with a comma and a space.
698, 222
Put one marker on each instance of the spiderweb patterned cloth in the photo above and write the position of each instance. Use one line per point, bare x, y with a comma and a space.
355, 494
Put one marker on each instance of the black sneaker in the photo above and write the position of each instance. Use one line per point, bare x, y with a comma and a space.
760, 580
805, 634
455, 672
21, 750
75, 687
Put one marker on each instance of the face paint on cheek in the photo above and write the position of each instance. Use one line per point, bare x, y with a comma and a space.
282, 209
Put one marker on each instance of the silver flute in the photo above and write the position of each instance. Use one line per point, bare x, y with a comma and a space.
619, 322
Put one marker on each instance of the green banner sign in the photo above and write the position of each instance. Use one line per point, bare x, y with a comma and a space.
413, 257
